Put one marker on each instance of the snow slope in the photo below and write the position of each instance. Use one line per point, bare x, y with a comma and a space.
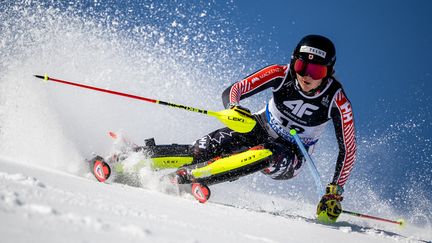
45, 205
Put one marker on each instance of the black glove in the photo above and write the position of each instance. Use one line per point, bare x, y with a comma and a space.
329, 208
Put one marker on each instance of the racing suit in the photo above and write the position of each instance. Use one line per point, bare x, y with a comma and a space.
289, 108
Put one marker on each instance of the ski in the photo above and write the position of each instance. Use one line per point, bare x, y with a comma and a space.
128, 160
102, 171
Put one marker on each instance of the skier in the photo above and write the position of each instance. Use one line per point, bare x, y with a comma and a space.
306, 96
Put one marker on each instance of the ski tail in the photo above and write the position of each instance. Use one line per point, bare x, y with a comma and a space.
101, 170
200, 192
121, 142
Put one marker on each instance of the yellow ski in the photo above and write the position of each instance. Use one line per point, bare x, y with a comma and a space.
231, 163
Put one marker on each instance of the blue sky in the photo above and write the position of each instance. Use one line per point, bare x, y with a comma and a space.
383, 47
384, 51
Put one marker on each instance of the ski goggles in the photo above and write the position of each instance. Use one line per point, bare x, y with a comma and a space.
315, 71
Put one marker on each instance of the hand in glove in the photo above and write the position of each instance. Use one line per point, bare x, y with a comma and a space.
329, 208
240, 109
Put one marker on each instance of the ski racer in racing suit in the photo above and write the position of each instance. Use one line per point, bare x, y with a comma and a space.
306, 97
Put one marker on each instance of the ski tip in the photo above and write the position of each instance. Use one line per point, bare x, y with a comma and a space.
113, 135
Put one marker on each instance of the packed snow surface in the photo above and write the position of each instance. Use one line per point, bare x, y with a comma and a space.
45, 205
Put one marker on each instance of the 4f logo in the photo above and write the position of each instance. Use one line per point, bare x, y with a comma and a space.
299, 108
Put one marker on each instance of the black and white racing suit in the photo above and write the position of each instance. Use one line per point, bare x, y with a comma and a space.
288, 108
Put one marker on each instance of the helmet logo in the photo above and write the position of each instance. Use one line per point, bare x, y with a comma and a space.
311, 57
313, 50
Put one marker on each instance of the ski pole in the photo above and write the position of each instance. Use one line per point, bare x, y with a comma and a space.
400, 222
236, 121
311, 165
313, 169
